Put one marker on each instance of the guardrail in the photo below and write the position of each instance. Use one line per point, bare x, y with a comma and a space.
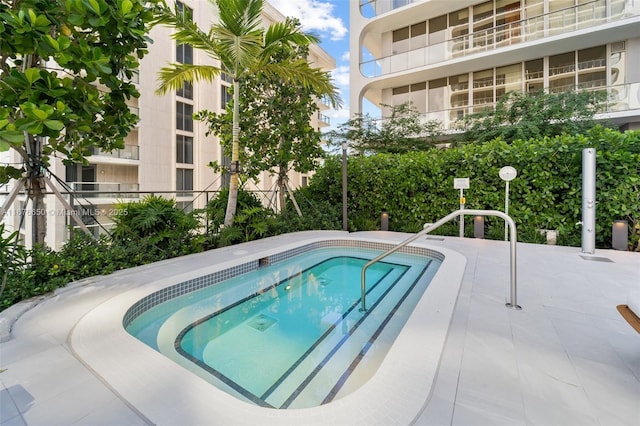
513, 238
563, 21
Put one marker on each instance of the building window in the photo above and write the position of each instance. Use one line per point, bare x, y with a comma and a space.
83, 177
185, 206
400, 90
437, 24
185, 11
225, 95
226, 77
184, 54
401, 34
592, 67
184, 149
184, 180
409, 38
184, 116
186, 91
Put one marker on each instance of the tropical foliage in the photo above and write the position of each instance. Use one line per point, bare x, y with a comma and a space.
417, 188
275, 127
537, 115
158, 222
414, 188
402, 130
243, 47
66, 71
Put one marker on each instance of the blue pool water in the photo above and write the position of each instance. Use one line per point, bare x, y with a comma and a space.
291, 335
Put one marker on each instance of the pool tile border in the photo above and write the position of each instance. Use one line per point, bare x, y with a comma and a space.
198, 283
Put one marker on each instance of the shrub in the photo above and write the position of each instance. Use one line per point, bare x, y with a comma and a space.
417, 187
158, 223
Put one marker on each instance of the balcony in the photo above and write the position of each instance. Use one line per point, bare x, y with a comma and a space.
623, 101
560, 22
371, 8
323, 120
105, 192
129, 154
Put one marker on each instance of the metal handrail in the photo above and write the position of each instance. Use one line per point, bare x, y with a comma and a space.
513, 238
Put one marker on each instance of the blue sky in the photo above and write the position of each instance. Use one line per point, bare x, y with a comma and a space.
329, 20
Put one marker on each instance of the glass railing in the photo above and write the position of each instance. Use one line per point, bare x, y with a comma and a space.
115, 190
371, 8
623, 97
620, 98
129, 152
559, 22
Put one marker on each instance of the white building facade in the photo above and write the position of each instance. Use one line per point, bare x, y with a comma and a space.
166, 154
453, 58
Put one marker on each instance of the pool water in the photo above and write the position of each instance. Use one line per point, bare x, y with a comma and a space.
291, 335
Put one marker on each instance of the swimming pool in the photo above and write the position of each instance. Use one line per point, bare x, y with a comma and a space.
294, 337
167, 392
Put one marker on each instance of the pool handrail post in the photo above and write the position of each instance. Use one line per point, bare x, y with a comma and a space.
513, 239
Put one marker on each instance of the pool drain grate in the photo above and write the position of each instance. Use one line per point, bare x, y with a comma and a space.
262, 322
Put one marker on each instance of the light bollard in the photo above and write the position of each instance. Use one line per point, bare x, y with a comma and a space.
620, 235
384, 221
478, 226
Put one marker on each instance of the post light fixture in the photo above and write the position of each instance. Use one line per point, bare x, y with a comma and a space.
384, 221
620, 235
507, 174
478, 226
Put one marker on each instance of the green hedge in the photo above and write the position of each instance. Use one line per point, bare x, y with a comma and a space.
416, 188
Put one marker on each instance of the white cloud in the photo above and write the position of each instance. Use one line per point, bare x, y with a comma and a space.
339, 115
314, 15
341, 75
345, 56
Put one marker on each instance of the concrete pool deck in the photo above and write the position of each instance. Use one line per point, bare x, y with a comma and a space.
566, 358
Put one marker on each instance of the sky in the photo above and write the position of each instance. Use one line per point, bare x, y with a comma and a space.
329, 20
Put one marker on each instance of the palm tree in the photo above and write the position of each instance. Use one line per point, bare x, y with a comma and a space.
243, 47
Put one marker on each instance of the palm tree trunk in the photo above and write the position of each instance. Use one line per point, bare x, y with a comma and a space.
235, 156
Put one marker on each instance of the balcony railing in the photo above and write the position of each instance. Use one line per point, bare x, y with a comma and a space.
621, 98
324, 119
559, 22
129, 152
105, 189
371, 8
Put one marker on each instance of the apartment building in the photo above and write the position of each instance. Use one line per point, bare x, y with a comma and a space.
453, 58
166, 154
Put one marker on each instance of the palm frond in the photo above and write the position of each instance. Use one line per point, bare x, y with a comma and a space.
174, 76
241, 16
237, 52
186, 31
287, 32
299, 71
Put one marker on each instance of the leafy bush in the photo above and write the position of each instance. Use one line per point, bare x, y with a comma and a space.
13, 259
316, 214
252, 220
159, 224
149, 231
417, 188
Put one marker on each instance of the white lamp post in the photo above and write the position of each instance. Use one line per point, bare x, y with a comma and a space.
507, 174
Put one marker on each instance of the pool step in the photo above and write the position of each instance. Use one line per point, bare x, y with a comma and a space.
340, 355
